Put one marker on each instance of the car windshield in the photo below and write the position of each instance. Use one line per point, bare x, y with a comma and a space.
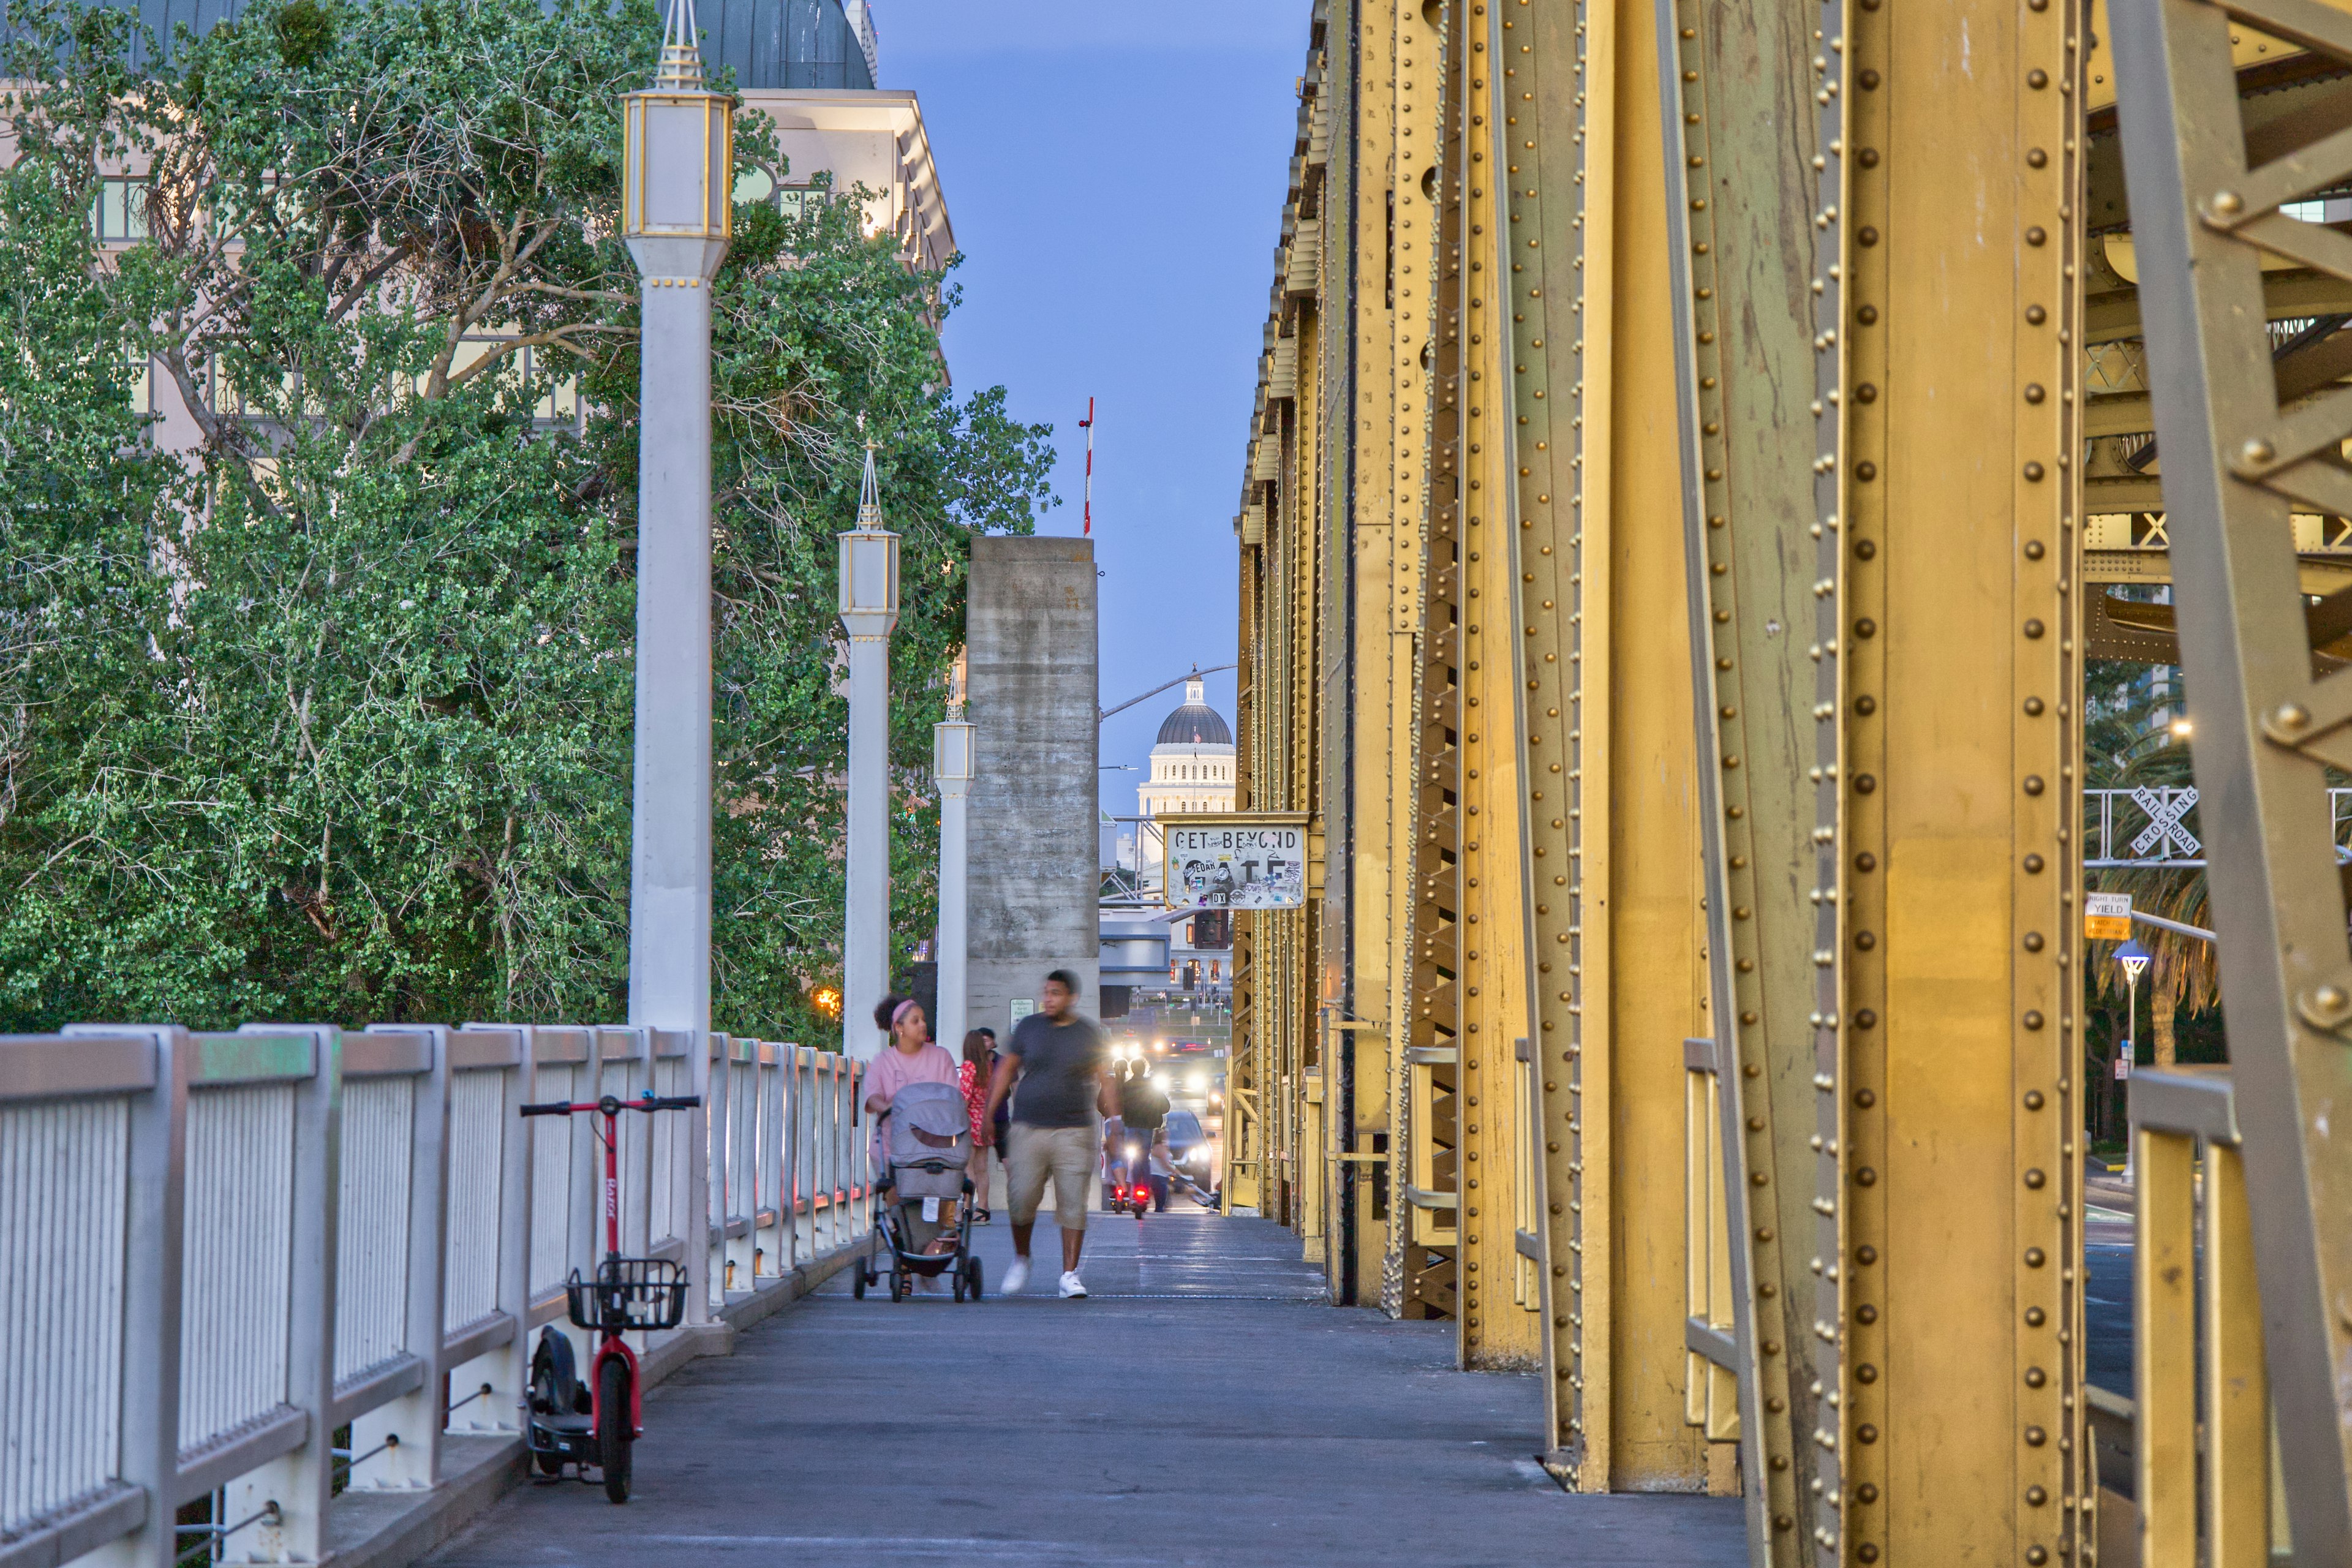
1184, 1127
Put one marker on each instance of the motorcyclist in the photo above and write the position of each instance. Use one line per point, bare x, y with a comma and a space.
1142, 1112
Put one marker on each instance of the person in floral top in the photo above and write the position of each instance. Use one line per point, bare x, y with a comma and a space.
972, 1074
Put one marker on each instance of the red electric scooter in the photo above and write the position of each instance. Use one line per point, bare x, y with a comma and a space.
595, 1426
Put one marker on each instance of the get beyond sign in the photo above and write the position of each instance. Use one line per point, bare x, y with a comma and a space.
1245, 861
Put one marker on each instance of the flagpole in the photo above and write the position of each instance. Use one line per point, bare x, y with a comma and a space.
1087, 424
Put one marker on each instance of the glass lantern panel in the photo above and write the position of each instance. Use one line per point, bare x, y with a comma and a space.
869, 571
720, 215
676, 159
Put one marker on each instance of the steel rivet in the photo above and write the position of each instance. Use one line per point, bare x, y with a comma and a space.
2228, 202
2257, 451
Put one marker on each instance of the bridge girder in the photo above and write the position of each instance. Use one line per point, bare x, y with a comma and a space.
1726, 427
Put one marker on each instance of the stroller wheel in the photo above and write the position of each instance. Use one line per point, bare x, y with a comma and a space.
972, 1279
898, 1283
959, 1284
860, 1277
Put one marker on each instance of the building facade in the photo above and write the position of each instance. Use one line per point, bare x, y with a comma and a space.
1191, 770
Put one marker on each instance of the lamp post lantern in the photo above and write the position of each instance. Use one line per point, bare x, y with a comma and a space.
952, 756
869, 612
677, 185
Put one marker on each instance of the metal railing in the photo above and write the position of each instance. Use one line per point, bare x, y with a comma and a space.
169, 1201
1710, 1328
2201, 1401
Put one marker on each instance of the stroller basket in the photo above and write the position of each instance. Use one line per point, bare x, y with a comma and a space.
629, 1293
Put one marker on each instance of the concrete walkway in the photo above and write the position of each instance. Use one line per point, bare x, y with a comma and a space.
1201, 1407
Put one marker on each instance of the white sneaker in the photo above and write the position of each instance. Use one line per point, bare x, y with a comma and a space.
1014, 1278
1072, 1288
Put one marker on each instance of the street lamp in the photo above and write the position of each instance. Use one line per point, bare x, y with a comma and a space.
869, 612
953, 759
2135, 958
677, 175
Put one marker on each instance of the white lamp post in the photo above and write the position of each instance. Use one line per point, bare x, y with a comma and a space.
677, 178
951, 763
869, 612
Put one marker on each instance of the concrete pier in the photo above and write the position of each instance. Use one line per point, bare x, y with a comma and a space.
1030, 649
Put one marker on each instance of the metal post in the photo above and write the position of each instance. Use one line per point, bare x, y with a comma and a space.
678, 181
155, 1238
413, 1421
297, 1485
869, 611
2129, 1056
952, 753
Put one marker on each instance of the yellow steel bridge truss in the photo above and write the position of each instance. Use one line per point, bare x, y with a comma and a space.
1695, 452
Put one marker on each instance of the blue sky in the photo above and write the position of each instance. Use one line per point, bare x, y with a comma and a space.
1114, 173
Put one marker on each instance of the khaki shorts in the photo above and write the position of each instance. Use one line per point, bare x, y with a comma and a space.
1069, 1154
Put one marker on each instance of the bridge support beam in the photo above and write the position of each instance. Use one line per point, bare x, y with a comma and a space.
1895, 929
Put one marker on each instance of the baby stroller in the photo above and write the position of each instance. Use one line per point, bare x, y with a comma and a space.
925, 1193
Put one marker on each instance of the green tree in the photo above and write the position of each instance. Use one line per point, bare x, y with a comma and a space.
348, 736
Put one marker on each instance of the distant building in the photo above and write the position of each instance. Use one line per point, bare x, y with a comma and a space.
811, 67
1191, 766
1191, 770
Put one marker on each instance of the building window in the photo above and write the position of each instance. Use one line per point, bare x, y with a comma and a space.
119, 213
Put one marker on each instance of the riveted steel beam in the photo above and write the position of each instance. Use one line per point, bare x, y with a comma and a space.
1740, 143
1949, 893
1610, 905
1470, 491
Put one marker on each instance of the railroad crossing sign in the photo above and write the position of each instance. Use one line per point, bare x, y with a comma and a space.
2165, 806
2106, 917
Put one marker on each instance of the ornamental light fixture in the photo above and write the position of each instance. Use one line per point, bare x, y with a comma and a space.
679, 176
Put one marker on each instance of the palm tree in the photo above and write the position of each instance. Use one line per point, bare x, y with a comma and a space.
2132, 739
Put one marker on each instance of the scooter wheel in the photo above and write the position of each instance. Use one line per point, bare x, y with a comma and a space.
614, 1436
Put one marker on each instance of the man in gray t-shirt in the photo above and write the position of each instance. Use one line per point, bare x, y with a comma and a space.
1062, 1065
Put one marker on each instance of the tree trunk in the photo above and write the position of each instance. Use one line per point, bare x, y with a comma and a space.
2159, 1011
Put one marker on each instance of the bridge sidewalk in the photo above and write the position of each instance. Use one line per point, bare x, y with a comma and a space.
1201, 1407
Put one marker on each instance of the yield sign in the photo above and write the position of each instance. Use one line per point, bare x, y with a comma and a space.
2165, 806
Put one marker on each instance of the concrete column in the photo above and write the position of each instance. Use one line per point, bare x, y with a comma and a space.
669, 871
1036, 868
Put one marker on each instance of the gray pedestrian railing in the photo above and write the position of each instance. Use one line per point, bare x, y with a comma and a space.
170, 1203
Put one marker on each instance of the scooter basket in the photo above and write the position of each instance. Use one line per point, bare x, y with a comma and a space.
629, 1293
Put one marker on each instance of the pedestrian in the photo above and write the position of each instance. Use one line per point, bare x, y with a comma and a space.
976, 1074
999, 1125
910, 1057
1061, 1062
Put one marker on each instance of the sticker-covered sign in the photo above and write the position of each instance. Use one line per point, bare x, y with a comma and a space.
2106, 917
1235, 862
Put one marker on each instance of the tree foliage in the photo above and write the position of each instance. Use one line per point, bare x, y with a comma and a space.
2127, 743
315, 695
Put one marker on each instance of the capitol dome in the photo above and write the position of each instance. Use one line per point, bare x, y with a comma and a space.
1195, 724
1191, 766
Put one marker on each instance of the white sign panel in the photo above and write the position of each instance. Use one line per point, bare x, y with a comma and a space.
1235, 864
2106, 917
